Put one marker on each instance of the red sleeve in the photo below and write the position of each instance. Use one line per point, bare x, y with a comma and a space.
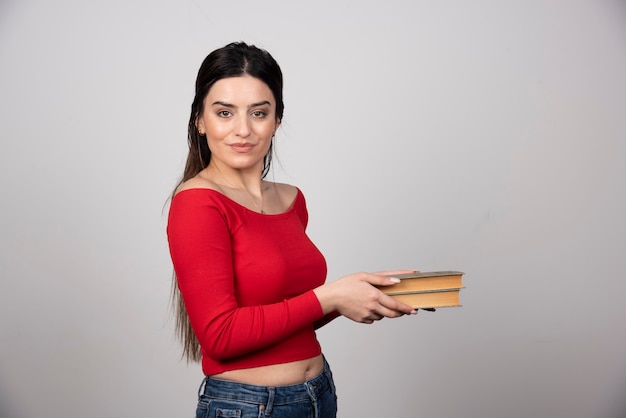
200, 247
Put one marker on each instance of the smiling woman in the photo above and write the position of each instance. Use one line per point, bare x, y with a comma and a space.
239, 121
249, 282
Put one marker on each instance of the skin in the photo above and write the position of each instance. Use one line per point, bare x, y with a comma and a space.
239, 121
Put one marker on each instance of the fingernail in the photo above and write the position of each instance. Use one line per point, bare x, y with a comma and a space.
394, 280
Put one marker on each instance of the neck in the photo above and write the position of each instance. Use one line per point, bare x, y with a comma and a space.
247, 180
249, 183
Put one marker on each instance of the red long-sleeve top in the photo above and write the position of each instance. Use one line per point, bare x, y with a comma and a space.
246, 279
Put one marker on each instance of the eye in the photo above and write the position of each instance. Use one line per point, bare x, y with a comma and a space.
260, 114
224, 113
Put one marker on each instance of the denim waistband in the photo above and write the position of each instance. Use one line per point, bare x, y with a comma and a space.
269, 395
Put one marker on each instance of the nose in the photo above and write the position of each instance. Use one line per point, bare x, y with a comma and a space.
243, 126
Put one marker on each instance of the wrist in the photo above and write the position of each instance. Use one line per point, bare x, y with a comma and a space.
326, 298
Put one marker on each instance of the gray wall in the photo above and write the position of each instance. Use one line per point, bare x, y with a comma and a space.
484, 136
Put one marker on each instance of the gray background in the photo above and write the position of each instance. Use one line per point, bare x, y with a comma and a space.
484, 136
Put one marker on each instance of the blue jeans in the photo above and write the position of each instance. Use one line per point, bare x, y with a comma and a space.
315, 398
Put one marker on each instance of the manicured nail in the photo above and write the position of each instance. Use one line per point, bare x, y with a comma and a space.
394, 280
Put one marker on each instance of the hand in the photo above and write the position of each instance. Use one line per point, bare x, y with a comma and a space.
355, 297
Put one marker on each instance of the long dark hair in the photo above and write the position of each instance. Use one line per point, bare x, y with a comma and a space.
233, 60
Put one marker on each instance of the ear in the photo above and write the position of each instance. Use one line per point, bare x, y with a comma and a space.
200, 126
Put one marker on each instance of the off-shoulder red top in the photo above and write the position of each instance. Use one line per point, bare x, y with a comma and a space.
246, 279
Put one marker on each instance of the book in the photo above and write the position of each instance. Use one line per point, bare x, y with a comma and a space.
425, 300
433, 289
426, 281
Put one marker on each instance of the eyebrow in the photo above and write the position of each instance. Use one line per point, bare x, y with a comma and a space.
230, 105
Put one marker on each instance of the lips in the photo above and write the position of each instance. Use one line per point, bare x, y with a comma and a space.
241, 147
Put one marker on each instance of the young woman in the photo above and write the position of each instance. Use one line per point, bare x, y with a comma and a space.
249, 283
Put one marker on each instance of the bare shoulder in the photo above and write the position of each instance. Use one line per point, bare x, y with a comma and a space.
198, 182
285, 193
285, 189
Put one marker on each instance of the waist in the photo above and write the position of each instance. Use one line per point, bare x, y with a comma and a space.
218, 388
299, 346
282, 374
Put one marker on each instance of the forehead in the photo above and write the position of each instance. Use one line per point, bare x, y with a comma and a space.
244, 89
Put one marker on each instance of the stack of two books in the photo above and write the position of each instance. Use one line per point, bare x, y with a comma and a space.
434, 289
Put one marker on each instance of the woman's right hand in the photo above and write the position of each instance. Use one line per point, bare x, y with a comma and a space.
355, 297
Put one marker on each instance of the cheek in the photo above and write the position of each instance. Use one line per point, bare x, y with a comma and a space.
216, 130
267, 130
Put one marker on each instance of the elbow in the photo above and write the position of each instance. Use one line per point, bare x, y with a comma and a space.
216, 351
218, 346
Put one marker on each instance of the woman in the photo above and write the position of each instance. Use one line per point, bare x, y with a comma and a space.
251, 283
